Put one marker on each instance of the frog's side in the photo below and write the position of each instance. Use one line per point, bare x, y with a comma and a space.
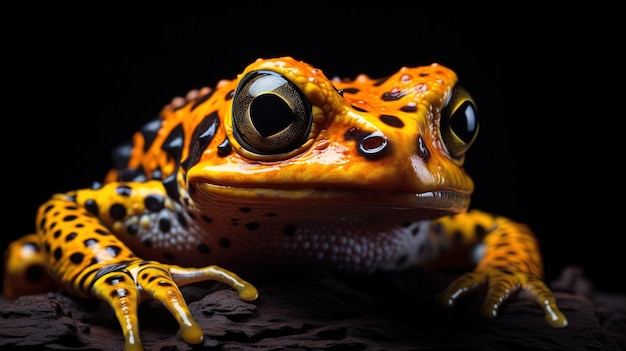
282, 165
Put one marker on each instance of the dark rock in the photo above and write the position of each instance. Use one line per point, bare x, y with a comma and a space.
391, 311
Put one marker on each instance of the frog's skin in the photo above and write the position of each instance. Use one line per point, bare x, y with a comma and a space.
281, 166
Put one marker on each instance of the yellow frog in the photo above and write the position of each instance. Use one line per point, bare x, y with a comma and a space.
282, 165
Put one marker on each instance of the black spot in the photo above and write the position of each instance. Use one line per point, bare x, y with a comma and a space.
165, 224
69, 218
124, 190
113, 250
422, 150
77, 257
225, 242
229, 95
101, 231
252, 226
147, 243
202, 136
353, 134
392, 121
164, 283
415, 230
351, 90
271, 214
169, 256
204, 248
35, 273
47, 247
245, 209
117, 211
42, 224
408, 108
121, 154
92, 207
58, 253
144, 276
154, 203
502, 244
56, 234
173, 145
181, 219
206, 219
392, 95
132, 229
79, 225
48, 208
290, 229
171, 186
359, 109
71, 236
149, 131
224, 148
480, 231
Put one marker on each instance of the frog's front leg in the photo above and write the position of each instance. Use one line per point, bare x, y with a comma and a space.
86, 257
509, 262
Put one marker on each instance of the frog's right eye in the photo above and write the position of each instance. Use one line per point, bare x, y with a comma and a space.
459, 123
270, 115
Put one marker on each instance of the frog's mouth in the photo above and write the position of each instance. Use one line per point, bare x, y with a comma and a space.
343, 200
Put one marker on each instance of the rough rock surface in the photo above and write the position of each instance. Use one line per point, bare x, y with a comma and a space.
320, 311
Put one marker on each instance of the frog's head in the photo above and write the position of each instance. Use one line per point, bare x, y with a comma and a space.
283, 134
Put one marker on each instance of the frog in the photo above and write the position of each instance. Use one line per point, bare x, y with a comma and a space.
283, 166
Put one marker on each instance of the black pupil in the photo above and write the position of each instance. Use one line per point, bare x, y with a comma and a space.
270, 114
464, 122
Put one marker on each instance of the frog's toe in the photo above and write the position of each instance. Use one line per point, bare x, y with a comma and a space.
123, 286
460, 287
502, 285
537, 291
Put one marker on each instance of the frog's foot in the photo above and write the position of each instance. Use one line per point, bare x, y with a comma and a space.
124, 285
503, 284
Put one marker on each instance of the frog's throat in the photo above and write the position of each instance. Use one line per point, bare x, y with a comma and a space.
440, 202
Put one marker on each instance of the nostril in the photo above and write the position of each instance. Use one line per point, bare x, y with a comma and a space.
373, 144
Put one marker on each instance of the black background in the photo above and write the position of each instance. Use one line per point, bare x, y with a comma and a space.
79, 80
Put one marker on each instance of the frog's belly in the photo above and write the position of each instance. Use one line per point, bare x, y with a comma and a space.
356, 244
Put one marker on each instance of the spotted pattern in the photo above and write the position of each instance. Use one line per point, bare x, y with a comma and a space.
349, 152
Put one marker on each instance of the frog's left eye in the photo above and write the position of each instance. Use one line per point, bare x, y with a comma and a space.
270, 114
459, 123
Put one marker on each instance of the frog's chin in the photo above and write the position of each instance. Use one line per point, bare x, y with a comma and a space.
435, 202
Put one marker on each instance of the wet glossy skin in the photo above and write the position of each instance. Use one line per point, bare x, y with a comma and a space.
282, 166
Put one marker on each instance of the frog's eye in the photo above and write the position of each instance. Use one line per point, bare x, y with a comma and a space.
459, 122
270, 114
